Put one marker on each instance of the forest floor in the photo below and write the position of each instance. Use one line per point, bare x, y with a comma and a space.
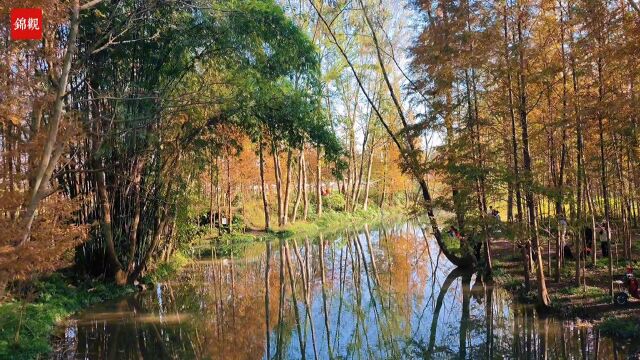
590, 302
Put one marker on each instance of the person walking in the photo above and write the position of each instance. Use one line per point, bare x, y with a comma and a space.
604, 242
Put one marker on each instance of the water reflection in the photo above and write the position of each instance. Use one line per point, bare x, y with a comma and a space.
382, 293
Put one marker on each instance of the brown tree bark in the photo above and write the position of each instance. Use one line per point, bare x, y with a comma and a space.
543, 295
296, 204
52, 149
265, 203
115, 267
305, 191
287, 191
278, 173
319, 182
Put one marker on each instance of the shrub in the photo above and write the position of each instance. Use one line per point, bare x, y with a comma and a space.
335, 201
620, 328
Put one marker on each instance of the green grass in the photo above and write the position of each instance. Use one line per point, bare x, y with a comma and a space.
589, 292
26, 327
330, 222
168, 269
620, 328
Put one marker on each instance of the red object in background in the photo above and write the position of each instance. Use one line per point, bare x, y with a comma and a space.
26, 24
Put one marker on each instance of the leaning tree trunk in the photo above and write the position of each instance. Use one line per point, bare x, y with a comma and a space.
52, 149
407, 151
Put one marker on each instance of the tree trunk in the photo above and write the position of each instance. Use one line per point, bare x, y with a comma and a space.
603, 172
115, 267
385, 165
278, 173
319, 183
296, 204
365, 205
218, 196
514, 138
211, 197
543, 295
52, 149
265, 203
229, 199
305, 191
287, 191
133, 227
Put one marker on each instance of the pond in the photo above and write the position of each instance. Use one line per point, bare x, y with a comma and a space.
374, 293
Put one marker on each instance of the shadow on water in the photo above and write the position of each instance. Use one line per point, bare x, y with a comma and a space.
384, 293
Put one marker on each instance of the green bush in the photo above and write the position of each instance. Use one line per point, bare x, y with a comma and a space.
620, 328
335, 201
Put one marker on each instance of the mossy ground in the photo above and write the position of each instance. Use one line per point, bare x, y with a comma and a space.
27, 323
26, 326
590, 303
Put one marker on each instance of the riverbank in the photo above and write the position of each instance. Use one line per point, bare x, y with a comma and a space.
589, 305
28, 321
330, 222
26, 324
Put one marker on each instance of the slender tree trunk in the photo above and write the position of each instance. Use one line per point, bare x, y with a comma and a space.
287, 190
211, 196
514, 138
385, 165
603, 172
409, 157
305, 191
133, 228
543, 295
563, 156
115, 267
296, 204
319, 183
580, 175
278, 173
52, 149
218, 196
265, 203
229, 199
368, 183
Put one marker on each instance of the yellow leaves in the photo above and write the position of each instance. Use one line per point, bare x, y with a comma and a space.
15, 120
99, 14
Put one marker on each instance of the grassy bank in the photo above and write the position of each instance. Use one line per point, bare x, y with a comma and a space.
329, 223
591, 304
27, 323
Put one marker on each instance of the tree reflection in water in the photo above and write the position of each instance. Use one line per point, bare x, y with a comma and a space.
382, 293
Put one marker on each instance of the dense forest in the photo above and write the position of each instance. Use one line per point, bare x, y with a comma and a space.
133, 127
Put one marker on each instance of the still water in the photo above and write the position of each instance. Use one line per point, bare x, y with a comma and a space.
383, 293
